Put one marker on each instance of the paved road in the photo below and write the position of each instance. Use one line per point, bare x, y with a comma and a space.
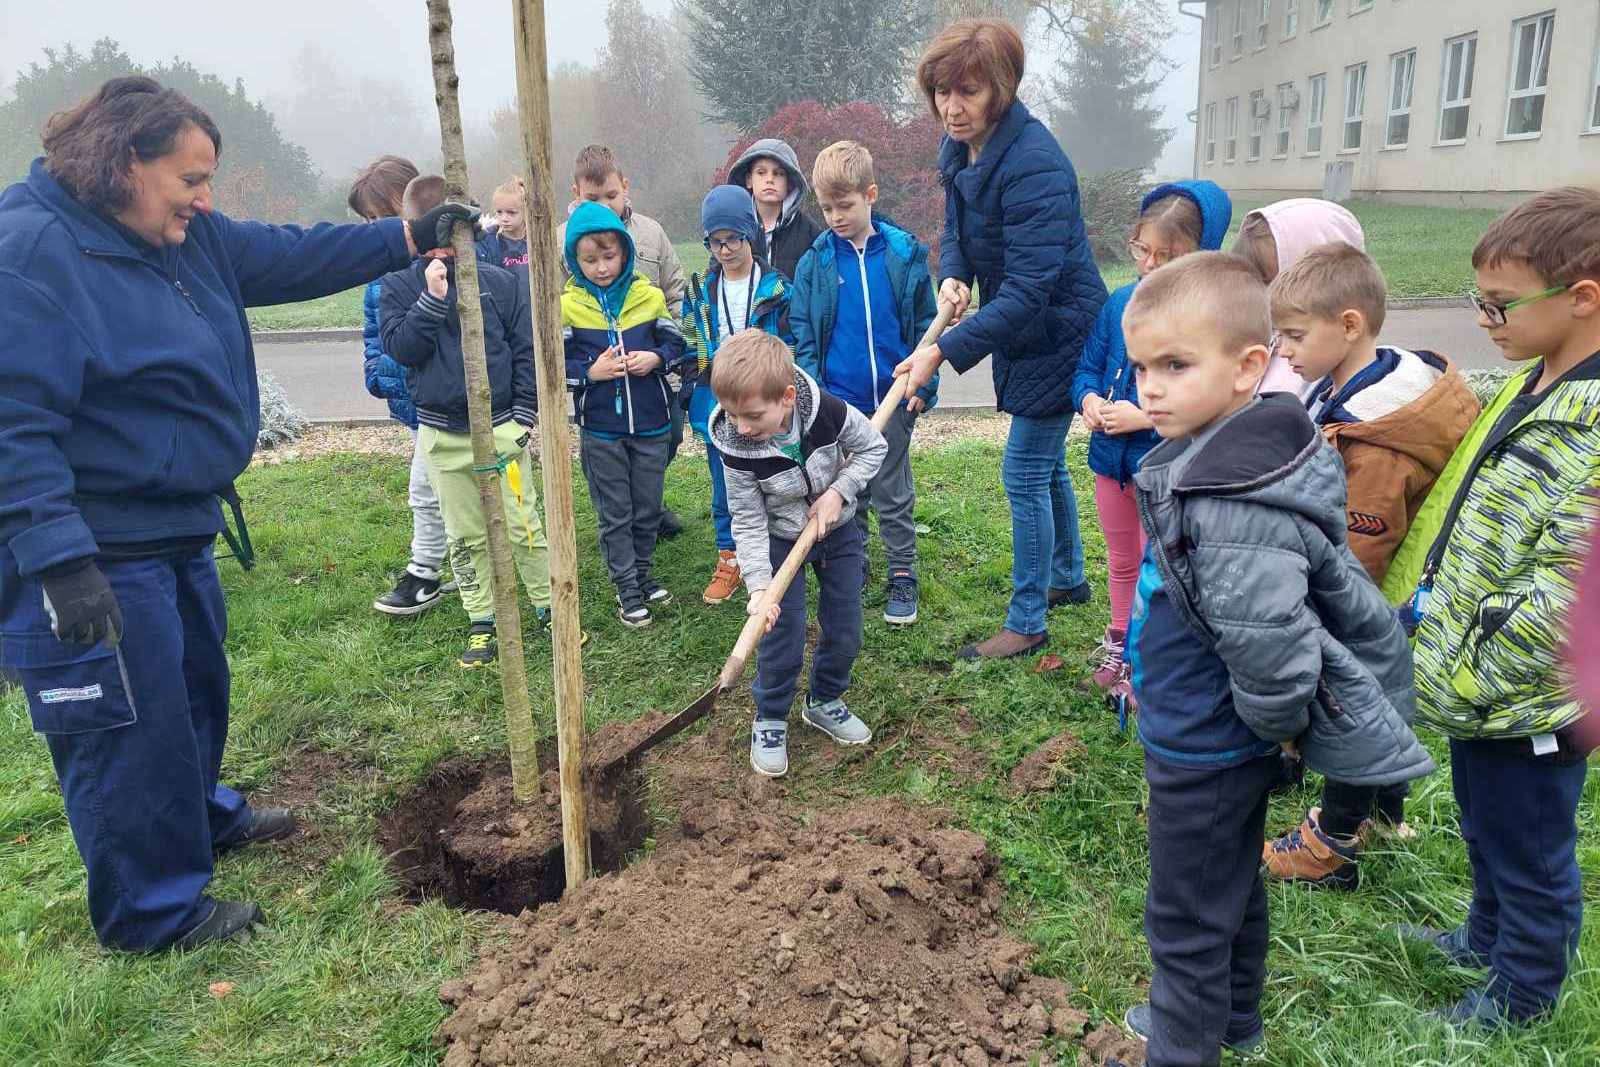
323, 378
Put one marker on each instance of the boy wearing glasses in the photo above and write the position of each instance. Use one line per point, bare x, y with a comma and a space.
1492, 610
738, 292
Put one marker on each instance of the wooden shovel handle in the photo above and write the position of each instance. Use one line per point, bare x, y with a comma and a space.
755, 625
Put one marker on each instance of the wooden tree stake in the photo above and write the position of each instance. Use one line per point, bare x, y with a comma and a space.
545, 279
485, 457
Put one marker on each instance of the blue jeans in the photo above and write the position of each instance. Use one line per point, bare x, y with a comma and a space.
1046, 548
721, 518
136, 735
836, 560
1519, 820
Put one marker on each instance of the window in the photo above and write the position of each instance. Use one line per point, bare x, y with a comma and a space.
1402, 80
1314, 110
1263, 25
1211, 132
1355, 104
1286, 105
1216, 34
1530, 73
1594, 99
1460, 56
1291, 18
1258, 122
1324, 13
1358, 6
1238, 28
1231, 133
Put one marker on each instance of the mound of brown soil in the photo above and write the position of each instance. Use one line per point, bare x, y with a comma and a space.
868, 936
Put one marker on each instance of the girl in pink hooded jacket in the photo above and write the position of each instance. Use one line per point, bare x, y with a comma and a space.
1274, 237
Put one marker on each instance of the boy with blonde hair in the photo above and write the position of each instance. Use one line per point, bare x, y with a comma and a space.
1253, 629
1395, 417
791, 451
862, 298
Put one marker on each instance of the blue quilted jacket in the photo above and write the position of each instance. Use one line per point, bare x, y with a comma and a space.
1012, 223
385, 378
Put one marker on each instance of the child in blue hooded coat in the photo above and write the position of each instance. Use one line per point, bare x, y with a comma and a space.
1174, 220
621, 343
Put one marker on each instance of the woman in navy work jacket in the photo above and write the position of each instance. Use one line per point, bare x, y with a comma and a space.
128, 402
1012, 222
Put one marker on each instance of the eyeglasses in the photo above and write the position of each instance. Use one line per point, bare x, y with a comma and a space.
724, 244
1141, 251
1496, 313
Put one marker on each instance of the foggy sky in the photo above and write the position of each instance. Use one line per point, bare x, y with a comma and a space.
259, 40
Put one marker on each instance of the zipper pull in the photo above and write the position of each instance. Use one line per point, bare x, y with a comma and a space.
186, 295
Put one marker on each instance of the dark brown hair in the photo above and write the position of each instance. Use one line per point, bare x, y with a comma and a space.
380, 186
982, 50
1556, 233
594, 165
1174, 215
423, 193
90, 148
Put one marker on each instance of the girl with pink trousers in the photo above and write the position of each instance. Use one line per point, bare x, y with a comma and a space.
1174, 220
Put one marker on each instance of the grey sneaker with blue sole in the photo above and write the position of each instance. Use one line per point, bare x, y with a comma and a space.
1137, 1021
769, 747
837, 721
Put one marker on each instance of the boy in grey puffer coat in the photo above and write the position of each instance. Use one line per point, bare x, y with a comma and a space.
1254, 628
791, 451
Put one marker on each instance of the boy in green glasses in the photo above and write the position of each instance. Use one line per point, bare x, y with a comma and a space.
1492, 603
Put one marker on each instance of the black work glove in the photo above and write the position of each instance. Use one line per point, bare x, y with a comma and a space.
81, 605
433, 230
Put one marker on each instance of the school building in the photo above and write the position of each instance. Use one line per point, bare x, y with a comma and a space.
1432, 101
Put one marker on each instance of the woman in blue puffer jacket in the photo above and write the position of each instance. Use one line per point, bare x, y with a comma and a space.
1013, 225
128, 404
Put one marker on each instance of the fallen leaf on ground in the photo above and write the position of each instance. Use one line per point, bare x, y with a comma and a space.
220, 989
1049, 662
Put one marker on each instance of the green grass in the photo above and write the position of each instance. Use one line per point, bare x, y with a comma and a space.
345, 976
339, 311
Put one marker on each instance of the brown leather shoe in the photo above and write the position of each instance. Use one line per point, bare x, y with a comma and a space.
1007, 644
1312, 857
725, 582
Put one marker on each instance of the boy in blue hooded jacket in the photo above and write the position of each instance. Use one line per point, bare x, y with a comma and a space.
621, 344
862, 298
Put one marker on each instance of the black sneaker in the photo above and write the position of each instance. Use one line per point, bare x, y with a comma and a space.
900, 599
541, 617
633, 611
655, 595
230, 920
266, 824
411, 595
1078, 594
671, 526
481, 649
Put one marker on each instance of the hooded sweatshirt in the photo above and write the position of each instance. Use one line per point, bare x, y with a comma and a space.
630, 313
796, 230
1395, 424
1298, 225
1103, 368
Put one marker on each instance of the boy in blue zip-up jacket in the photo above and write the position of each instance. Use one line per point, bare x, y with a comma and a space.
621, 344
1174, 220
376, 194
740, 291
862, 298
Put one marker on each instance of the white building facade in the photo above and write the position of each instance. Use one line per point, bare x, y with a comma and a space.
1441, 101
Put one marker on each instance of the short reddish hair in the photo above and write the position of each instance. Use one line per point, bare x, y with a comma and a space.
981, 50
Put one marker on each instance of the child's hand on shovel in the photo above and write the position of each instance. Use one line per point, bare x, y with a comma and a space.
827, 510
754, 608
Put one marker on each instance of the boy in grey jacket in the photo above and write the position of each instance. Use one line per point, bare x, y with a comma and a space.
791, 451
1254, 628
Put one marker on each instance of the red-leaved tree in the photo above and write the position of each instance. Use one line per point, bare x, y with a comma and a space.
905, 156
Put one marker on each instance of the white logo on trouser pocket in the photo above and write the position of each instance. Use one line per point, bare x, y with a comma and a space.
63, 696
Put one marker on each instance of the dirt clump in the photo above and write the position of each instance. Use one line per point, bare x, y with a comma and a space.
865, 934
1040, 768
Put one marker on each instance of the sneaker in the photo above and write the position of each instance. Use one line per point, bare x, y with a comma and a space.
725, 582
1078, 594
1454, 945
769, 747
837, 721
655, 595
230, 920
671, 526
632, 611
1479, 1009
1138, 1021
541, 617
1007, 644
1110, 668
900, 599
1308, 855
481, 649
412, 594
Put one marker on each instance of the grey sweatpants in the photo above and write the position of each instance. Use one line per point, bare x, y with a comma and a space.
427, 523
893, 497
626, 479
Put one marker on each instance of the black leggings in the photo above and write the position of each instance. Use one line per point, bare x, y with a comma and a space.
1344, 806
